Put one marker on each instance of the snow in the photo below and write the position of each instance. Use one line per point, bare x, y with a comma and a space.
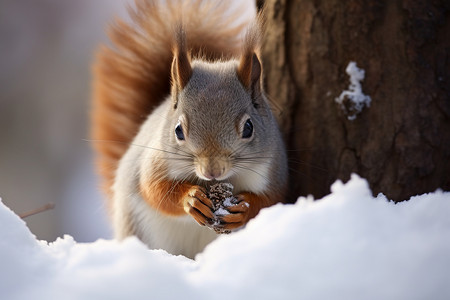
230, 201
353, 100
348, 245
220, 212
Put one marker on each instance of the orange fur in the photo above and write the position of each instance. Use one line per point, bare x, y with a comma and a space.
134, 76
165, 196
257, 202
241, 214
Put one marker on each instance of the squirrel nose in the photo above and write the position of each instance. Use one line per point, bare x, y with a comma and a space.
212, 168
213, 174
211, 171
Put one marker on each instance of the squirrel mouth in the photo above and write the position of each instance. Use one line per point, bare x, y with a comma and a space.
213, 175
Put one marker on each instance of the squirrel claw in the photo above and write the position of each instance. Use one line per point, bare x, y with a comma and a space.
237, 217
199, 193
232, 218
240, 207
223, 226
198, 205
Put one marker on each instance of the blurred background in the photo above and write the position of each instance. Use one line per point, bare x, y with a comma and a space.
46, 48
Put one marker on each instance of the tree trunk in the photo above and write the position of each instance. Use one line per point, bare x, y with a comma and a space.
401, 143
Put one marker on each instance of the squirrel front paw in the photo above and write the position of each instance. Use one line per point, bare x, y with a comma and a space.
198, 205
236, 216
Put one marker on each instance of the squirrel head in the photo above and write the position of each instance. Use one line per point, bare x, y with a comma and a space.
221, 119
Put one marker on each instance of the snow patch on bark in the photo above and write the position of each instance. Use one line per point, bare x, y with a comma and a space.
353, 100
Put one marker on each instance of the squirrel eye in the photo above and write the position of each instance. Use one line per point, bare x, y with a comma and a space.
248, 129
179, 132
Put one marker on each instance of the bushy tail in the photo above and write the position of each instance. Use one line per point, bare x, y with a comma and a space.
133, 77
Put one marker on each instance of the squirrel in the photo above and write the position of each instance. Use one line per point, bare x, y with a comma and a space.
178, 105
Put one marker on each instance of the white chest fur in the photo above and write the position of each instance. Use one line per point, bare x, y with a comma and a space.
177, 235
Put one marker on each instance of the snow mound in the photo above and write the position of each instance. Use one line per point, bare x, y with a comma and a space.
348, 245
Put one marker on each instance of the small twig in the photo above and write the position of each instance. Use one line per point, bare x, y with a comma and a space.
46, 207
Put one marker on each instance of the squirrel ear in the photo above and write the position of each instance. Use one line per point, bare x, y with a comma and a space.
249, 71
181, 66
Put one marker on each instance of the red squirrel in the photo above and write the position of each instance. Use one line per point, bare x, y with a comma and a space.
178, 105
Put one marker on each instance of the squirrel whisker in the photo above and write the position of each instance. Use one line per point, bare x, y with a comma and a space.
238, 166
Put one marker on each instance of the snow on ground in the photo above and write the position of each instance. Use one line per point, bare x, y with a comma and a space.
348, 245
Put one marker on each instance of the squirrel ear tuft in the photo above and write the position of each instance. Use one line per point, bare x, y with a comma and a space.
181, 66
249, 71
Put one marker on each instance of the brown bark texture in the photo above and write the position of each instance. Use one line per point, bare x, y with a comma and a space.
401, 143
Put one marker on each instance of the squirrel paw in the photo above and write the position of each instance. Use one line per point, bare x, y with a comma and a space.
198, 205
237, 217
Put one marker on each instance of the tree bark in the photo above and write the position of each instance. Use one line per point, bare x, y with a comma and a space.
401, 143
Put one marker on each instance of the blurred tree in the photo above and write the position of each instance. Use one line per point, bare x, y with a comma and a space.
401, 144
46, 48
